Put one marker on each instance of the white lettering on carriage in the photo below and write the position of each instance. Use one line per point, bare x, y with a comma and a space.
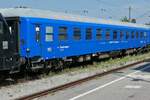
63, 47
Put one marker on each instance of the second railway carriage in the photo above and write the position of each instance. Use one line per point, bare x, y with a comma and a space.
50, 38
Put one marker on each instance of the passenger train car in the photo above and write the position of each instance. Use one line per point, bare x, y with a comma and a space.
46, 39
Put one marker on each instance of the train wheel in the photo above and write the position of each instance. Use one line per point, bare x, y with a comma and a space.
47, 68
3, 76
57, 65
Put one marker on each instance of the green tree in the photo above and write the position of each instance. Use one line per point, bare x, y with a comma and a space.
125, 19
133, 21
147, 23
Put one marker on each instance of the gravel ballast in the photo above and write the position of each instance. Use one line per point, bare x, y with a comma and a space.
27, 88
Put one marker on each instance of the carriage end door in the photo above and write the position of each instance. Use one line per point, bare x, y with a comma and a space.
36, 40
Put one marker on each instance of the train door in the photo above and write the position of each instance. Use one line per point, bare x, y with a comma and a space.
13, 25
35, 40
5, 38
9, 55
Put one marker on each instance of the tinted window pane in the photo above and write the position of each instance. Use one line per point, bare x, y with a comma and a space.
121, 35
145, 34
77, 33
141, 34
127, 35
132, 35
88, 34
114, 35
98, 34
62, 33
137, 34
107, 34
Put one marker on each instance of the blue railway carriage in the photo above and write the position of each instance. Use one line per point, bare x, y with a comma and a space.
45, 39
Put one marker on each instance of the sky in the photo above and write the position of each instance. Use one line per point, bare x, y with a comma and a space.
107, 9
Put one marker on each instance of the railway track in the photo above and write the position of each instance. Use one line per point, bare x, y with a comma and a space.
68, 85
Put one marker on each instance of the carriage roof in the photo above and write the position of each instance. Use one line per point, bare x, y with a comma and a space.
27, 12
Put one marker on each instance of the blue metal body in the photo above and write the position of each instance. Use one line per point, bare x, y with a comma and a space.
71, 47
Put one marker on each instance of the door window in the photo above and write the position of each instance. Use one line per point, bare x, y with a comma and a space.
49, 34
37, 30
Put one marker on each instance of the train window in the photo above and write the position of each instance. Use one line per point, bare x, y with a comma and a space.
137, 35
132, 35
88, 33
141, 34
98, 34
127, 35
121, 35
49, 33
114, 35
37, 30
1, 27
145, 35
77, 33
107, 34
63, 33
